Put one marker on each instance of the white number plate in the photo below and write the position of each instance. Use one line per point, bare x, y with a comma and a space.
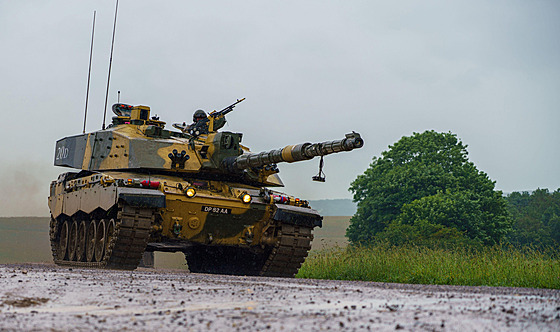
215, 209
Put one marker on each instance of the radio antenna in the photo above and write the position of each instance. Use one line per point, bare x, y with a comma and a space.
89, 71
110, 62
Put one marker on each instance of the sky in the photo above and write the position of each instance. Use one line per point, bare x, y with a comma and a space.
487, 71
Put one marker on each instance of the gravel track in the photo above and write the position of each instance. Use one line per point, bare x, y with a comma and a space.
48, 297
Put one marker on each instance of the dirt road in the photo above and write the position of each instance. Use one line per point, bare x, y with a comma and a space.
46, 297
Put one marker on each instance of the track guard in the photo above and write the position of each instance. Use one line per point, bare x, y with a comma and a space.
145, 198
298, 216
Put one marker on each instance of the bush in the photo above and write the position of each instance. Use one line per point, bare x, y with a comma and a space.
422, 188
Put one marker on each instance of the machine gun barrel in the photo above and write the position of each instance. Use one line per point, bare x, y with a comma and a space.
293, 153
227, 109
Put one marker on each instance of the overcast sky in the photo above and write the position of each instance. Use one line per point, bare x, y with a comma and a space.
488, 71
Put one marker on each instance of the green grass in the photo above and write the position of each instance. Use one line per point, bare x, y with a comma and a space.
495, 266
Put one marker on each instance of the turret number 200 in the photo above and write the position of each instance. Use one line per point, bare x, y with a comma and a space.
61, 153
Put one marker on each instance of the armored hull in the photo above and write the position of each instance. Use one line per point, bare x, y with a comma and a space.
141, 188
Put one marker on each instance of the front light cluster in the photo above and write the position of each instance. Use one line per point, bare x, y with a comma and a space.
190, 192
301, 202
246, 198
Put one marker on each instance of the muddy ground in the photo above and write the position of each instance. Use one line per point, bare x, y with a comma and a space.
47, 297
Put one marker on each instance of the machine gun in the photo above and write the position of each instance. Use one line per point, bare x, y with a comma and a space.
212, 123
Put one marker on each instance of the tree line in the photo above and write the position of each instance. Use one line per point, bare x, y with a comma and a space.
536, 218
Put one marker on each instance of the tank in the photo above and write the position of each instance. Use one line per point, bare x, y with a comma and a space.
139, 188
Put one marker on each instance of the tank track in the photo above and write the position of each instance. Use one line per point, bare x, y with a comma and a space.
283, 259
289, 252
126, 246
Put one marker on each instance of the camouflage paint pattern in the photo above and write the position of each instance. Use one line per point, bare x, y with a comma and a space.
204, 189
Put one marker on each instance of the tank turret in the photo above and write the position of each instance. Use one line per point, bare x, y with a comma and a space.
140, 187
136, 141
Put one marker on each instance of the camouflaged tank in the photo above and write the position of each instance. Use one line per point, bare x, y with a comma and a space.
142, 188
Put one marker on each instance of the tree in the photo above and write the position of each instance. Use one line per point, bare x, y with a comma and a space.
536, 218
426, 182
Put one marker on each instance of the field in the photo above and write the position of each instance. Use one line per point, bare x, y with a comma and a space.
26, 239
331, 234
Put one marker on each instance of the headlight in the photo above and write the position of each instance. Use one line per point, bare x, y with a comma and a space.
246, 198
190, 192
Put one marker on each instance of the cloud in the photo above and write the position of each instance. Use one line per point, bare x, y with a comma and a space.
311, 71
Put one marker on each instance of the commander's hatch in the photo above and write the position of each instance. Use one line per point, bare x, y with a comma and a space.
122, 110
135, 115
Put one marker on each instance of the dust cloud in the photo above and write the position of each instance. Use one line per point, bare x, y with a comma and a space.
24, 189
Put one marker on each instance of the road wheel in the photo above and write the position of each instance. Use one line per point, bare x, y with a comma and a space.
91, 235
81, 241
100, 240
110, 235
72, 239
63, 240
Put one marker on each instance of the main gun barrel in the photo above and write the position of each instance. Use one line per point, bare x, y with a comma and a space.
293, 153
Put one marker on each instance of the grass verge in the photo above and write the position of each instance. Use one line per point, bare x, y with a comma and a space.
490, 266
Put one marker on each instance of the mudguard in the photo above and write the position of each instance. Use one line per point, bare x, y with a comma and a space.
297, 216
147, 198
